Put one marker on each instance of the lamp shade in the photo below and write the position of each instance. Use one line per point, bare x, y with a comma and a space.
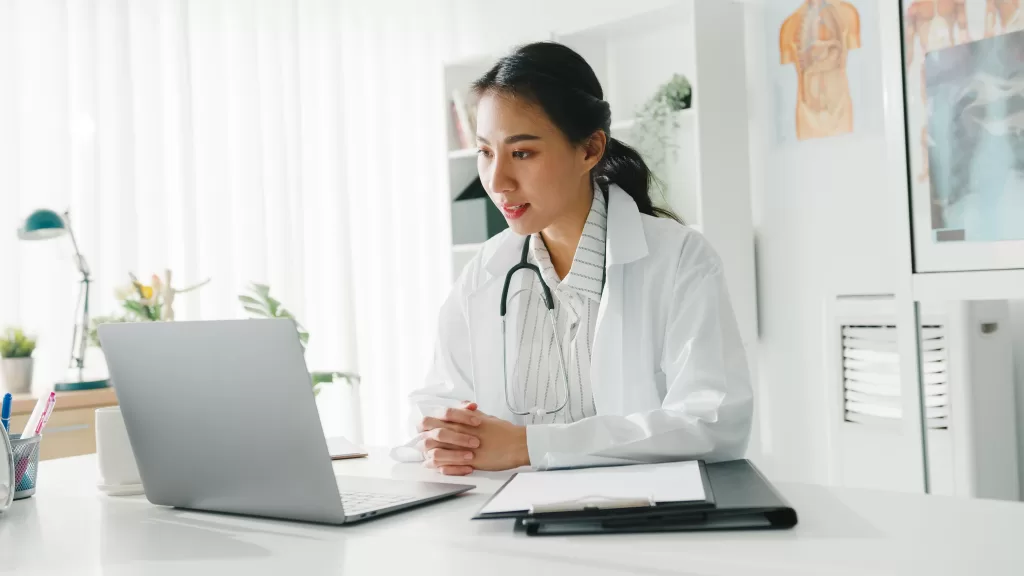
42, 225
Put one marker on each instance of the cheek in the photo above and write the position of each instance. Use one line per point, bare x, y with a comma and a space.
546, 181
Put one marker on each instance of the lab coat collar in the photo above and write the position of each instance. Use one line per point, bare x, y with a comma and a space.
626, 241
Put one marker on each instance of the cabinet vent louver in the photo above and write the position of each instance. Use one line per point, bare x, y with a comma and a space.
871, 375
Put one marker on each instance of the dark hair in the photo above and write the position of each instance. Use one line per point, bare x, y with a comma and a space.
562, 83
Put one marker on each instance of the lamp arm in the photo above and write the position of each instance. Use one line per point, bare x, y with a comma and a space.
80, 339
79, 259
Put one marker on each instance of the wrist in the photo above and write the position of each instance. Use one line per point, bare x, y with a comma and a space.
522, 448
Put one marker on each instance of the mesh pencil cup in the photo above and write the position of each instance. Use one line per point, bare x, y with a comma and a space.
26, 465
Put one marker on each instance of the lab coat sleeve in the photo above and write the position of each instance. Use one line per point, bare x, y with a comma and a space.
449, 381
708, 405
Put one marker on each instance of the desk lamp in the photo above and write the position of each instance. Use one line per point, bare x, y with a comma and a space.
44, 225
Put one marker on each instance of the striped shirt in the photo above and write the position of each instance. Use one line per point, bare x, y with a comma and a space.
537, 373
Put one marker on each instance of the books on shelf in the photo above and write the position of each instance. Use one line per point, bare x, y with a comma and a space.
464, 116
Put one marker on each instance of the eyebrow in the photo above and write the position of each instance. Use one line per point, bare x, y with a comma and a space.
512, 139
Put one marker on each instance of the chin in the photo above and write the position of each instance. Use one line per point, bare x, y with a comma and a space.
523, 228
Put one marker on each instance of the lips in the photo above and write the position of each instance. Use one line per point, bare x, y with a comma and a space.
514, 211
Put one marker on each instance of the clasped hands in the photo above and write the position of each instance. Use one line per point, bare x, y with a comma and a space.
464, 439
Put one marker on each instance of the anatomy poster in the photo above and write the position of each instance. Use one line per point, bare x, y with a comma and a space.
818, 62
965, 116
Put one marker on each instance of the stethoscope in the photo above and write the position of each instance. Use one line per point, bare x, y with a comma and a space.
549, 303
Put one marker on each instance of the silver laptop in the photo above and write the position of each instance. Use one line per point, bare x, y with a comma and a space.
221, 417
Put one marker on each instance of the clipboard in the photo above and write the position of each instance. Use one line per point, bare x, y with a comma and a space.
745, 500
595, 506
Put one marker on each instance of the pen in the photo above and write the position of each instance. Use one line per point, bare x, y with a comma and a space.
47, 412
36, 417
5, 412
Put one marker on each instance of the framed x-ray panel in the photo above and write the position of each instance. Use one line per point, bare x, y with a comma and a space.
964, 93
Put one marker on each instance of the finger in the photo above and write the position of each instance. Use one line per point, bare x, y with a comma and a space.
461, 416
446, 436
470, 405
440, 457
426, 444
428, 424
456, 470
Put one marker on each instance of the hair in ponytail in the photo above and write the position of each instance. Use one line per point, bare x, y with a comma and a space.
562, 83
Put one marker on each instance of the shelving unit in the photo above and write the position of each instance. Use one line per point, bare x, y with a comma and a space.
706, 180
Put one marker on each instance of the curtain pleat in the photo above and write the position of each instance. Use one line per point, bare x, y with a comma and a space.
298, 143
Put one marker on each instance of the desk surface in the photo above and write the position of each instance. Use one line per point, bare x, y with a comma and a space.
71, 528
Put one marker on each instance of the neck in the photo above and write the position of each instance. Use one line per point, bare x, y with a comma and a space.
563, 235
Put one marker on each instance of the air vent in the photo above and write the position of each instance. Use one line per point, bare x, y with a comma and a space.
871, 376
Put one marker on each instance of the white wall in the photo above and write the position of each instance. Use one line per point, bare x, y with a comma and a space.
493, 27
815, 216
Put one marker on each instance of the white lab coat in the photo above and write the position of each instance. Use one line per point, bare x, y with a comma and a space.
669, 372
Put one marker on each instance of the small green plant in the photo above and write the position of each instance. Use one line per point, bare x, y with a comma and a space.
657, 122
15, 344
319, 378
94, 324
260, 304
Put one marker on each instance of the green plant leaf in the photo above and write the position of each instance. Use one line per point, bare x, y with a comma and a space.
274, 306
257, 312
16, 344
249, 301
135, 308
261, 289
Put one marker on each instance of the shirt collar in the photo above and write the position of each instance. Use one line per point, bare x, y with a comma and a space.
587, 270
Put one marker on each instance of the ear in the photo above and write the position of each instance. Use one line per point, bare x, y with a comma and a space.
593, 149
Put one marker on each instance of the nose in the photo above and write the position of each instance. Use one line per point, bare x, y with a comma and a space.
501, 177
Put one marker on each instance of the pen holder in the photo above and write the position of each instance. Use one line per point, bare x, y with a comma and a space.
26, 465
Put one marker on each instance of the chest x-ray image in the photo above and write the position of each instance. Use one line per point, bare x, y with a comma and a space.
976, 139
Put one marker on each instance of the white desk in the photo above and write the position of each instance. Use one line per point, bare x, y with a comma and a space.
68, 527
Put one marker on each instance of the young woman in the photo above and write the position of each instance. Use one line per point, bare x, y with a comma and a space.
597, 329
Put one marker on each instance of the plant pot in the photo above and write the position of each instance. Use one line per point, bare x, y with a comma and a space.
17, 375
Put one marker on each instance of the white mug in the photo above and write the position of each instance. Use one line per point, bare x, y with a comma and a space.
119, 474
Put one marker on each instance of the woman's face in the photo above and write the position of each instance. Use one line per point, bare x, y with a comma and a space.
531, 171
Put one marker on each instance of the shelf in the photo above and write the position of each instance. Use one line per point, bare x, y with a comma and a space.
462, 154
629, 124
974, 285
673, 15
467, 248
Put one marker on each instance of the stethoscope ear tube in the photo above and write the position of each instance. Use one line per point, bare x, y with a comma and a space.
549, 302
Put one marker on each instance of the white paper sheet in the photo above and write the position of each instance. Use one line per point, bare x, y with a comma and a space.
341, 449
672, 482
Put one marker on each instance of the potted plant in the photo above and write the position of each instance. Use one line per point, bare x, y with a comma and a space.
153, 302
260, 304
658, 121
16, 350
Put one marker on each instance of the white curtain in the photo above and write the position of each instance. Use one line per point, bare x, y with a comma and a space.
298, 143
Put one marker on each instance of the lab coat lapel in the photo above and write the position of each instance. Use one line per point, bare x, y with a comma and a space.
626, 243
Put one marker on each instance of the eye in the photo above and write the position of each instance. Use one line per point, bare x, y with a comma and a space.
521, 154
484, 153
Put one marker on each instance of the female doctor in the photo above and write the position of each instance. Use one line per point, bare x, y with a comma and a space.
636, 356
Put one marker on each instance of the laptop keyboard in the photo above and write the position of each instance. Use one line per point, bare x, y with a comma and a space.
360, 502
